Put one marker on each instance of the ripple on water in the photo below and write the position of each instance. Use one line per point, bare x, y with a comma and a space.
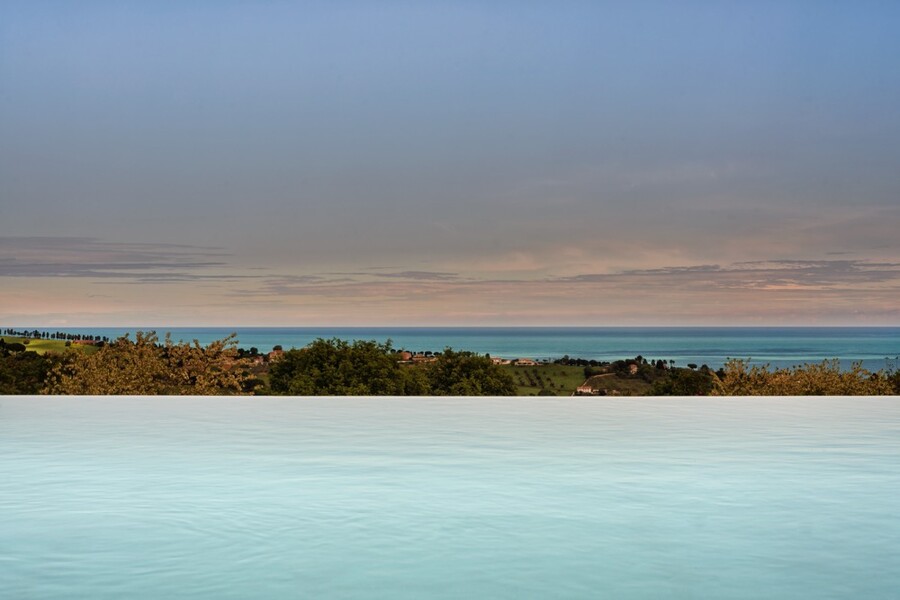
449, 498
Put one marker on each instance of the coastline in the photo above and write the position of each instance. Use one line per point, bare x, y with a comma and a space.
777, 346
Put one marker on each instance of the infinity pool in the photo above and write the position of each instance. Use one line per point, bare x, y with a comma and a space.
449, 498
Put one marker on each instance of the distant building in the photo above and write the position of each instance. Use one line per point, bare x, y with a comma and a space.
584, 390
525, 362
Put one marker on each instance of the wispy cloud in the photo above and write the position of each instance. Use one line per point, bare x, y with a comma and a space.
202, 278
810, 274
777, 291
420, 276
813, 274
92, 258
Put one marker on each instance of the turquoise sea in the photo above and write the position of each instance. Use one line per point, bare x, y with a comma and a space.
270, 498
779, 346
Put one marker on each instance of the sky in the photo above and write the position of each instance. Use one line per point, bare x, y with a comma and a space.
449, 163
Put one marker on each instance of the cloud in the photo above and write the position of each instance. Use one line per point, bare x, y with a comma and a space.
92, 258
818, 274
372, 272
782, 290
785, 273
688, 270
420, 276
778, 292
806, 274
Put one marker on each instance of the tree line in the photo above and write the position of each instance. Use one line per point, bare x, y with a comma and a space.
368, 368
37, 334
147, 365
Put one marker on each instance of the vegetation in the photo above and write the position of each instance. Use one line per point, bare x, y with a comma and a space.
22, 372
687, 382
60, 363
546, 380
738, 378
145, 367
45, 346
338, 368
620, 384
366, 368
467, 374
893, 378
631, 377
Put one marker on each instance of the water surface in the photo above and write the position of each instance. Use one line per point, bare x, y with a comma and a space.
449, 498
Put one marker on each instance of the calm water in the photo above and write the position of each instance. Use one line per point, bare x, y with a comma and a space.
449, 498
711, 345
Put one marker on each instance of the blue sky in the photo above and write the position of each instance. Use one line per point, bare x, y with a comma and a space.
371, 163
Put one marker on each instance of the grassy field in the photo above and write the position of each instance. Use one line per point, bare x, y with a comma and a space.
558, 380
44, 346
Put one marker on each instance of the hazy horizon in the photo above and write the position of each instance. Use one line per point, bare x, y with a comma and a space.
456, 164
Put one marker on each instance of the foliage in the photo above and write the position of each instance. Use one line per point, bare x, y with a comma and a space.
210, 370
336, 367
22, 372
686, 382
12, 346
893, 375
145, 367
368, 368
468, 374
738, 378
579, 362
894, 380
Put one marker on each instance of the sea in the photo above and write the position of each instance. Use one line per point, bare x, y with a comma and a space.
449, 498
876, 347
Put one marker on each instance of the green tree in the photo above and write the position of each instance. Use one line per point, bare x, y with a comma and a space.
336, 367
23, 372
468, 374
684, 382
